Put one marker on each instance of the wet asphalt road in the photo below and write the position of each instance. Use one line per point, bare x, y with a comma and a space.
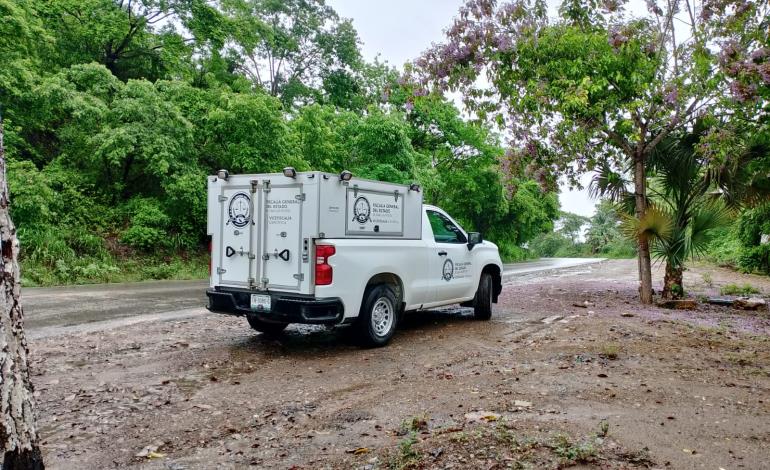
52, 311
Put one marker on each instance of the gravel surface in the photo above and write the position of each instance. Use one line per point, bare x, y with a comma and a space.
570, 371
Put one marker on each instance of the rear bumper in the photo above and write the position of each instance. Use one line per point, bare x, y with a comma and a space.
288, 308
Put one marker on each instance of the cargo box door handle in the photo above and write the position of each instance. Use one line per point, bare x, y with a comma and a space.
442, 253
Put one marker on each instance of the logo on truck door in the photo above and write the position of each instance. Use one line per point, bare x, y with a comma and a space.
362, 210
448, 271
240, 210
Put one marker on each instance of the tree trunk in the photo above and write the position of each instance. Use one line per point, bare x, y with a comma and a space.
672, 282
640, 198
18, 430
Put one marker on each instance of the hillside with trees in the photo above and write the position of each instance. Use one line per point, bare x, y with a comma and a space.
115, 111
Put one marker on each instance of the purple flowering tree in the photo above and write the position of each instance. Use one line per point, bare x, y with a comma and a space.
597, 85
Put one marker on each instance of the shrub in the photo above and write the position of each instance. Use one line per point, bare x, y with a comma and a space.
144, 238
619, 248
548, 245
148, 225
735, 289
755, 258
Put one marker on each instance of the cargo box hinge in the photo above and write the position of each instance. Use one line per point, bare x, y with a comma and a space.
222, 198
299, 277
300, 197
221, 270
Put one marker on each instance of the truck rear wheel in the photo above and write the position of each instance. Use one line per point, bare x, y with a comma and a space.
482, 303
378, 317
268, 328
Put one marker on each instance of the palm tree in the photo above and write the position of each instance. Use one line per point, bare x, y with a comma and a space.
684, 193
684, 203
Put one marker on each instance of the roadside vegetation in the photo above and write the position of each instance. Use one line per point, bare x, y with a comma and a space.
576, 236
115, 112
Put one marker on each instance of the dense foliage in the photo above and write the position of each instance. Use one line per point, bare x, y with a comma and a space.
116, 110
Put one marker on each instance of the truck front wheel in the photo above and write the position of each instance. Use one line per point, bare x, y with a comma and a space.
378, 317
482, 303
268, 328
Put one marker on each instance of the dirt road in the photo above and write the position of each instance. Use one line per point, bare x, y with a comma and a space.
570, 371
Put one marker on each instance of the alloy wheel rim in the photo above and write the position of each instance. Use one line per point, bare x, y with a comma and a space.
382, 316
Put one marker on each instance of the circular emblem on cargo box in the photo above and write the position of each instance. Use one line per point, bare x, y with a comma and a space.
361, 210
447, 273
240, 210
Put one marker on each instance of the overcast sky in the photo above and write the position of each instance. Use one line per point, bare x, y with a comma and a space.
399, 30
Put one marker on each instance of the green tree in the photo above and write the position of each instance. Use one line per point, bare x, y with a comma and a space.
603, 226
150, 39
325, 136
290, 47
571, 225
592, 87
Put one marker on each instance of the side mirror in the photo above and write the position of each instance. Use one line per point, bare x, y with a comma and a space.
474, 238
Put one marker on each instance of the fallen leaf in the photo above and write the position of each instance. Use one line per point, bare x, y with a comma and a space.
155, 455
359, 451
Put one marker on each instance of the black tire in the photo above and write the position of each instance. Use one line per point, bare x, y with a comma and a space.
376, 328
268, 328
482, 303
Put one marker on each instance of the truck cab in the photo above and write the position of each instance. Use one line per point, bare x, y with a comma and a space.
331, 249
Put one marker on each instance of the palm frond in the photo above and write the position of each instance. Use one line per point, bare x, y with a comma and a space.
709, 217
655, 224
608, 183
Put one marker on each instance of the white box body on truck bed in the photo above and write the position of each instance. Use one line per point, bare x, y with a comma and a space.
313, 248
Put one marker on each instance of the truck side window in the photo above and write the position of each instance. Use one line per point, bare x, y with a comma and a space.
444, 231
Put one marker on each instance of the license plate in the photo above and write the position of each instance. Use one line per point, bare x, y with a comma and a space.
260, 302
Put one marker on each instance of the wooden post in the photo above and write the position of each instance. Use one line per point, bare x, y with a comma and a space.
18, 429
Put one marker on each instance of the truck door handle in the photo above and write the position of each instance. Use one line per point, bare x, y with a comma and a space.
442, 253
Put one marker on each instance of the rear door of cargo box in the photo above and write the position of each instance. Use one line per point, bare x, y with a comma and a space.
234, 240
283, 251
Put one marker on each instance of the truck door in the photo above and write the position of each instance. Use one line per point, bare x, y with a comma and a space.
451, 266
280, 237
237, 205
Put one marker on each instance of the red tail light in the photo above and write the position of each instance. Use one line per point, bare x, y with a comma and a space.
323, 271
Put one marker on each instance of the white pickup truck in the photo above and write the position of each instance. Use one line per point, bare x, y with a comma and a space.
320, 248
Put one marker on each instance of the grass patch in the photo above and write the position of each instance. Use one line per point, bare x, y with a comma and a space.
573, 452
735, 289
610, 350
502, 445
109, 268
407, 456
